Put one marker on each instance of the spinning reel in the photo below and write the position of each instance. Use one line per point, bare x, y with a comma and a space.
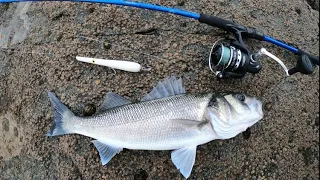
232, 58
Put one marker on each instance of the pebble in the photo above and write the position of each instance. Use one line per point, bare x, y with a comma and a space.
89, 110
97, 81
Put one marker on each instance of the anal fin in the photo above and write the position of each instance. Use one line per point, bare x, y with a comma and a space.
106, 152
184, 159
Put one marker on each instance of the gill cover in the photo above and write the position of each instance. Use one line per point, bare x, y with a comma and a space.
233, 114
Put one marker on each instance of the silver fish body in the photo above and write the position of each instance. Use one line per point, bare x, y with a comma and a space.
150, 125
166, 119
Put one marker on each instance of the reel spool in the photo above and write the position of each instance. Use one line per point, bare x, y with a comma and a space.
228, 58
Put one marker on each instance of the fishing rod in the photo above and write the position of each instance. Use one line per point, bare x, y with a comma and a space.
230, 58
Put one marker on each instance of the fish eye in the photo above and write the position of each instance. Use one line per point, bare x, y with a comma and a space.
241, 97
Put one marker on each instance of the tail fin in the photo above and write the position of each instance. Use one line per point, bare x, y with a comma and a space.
61, 115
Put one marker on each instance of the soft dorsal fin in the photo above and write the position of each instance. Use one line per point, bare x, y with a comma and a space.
167, 87
113, 100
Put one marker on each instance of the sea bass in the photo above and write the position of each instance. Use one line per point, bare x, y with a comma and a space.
166, 119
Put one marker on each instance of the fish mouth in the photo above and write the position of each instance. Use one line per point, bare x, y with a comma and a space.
258, 107
255, 105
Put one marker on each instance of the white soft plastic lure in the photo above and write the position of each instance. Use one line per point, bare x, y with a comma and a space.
166, 119
116, 64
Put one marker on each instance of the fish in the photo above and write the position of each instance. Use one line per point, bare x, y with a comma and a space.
167, 118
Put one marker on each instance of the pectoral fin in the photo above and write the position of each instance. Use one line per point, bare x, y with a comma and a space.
184, 159
188, 121
106, 152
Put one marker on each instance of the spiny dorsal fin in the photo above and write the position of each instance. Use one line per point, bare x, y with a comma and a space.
113, 100
167, 87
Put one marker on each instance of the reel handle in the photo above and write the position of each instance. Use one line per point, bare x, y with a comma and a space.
304, 65
313, 59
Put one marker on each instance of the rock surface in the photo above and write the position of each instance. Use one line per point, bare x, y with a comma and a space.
284, 144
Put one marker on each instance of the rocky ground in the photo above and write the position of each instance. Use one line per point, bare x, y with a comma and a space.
39, 56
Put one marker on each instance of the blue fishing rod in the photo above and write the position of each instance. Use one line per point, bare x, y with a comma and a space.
232, 58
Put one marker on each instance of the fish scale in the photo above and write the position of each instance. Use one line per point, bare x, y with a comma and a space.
149, 123
156, 108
